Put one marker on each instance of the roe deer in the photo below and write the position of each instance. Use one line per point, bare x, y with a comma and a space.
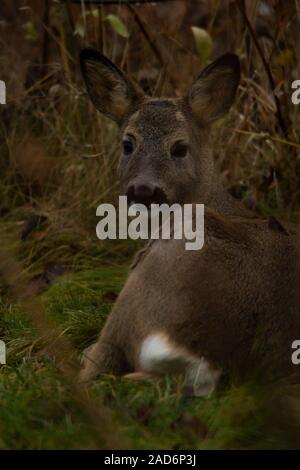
229, 306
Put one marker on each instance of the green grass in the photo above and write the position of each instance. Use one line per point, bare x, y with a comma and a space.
38, 409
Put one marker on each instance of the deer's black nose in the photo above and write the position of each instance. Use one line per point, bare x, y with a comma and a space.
145, 193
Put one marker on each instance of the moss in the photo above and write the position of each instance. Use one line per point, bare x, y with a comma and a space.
38, 409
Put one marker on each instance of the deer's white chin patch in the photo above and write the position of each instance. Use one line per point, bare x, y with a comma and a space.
159, 356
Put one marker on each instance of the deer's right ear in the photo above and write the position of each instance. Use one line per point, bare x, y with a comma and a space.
112, 93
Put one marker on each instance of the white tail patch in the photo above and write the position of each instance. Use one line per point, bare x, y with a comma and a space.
159, 356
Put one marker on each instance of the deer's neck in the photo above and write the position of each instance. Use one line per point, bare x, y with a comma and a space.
220, 200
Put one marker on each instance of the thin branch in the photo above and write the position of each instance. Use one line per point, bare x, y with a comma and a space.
116, 2
264, 135
267, 68
156, 51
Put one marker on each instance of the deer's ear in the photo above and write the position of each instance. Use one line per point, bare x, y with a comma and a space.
112, 93
213, 92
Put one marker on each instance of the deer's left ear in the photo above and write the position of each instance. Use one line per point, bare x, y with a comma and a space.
111, 91
212, 94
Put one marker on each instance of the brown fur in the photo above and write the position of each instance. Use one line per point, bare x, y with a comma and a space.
234, 302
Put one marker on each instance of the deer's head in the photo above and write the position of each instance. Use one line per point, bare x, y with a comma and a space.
165, 153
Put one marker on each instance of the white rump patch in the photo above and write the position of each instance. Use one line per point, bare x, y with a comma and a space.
160, 356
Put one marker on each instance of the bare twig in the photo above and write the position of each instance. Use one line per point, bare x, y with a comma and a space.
116, 2
264, 135
267, 68
156, 51
45, 35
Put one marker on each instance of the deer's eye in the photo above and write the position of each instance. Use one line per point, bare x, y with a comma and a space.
128, 145
179, 150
